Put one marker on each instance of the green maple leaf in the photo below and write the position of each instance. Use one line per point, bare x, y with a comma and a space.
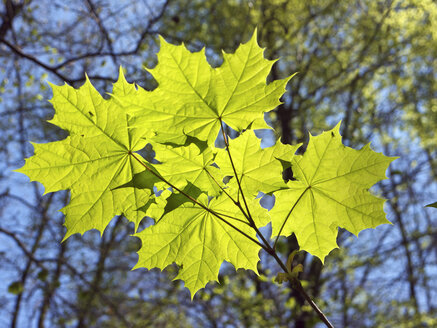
183, 165
257, 169
199, 242
92, 161
331, 191
194, 98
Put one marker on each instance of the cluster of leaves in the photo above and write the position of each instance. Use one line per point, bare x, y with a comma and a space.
203, 198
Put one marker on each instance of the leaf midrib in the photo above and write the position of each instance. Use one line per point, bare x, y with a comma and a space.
74, 164
350, 172
238, 80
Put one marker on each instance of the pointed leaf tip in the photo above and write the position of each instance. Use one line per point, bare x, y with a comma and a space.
121, 73
432, 205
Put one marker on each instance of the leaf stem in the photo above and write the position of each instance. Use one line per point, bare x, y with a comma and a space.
225, 137
247, 215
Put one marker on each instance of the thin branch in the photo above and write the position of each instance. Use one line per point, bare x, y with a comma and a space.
104, 250
102, 29
11, 11
19, 52
63, 261
50, 289
149, 25
298, 286
22, 200
52, 69
20, 244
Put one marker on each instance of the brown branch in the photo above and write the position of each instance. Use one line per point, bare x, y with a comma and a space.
12, 10
102, 29
52, 69
51, 288
105, 247
149, 25
35, 60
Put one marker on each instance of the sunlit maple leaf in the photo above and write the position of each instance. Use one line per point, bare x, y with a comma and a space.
195, 98
92, 161
199, 242
331, 191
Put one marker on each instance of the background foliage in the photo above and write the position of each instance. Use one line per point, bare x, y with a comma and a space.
370, 63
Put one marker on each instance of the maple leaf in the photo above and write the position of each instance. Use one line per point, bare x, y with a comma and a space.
92, 161
188, 164
331, 191
199, 242
195, 98
257, 169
